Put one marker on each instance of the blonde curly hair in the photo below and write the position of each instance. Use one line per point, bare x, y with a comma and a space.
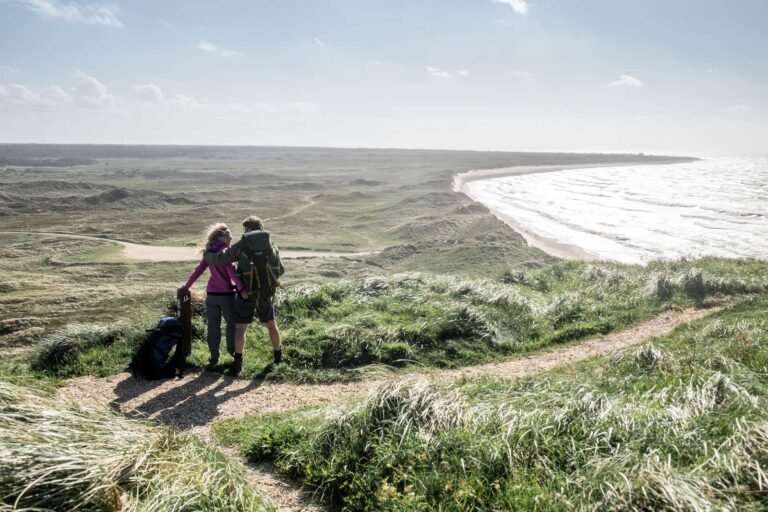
217, 232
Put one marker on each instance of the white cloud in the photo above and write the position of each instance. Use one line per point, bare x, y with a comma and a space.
318, 42
438, 73
522, 73
91, 93
17, 95
91, 14
149, 93
383, 65
626, 80
54, 96
210, 47
20, 96
207, 46
302, 107
186, 102
519, 6
737, 108
153, 95
462, 72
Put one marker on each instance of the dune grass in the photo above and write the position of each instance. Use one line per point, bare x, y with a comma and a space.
59, 456
678, 423
408, 321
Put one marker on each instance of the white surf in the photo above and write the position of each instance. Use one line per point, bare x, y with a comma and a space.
633, 214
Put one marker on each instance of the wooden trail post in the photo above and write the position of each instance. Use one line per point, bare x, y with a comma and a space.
184, 302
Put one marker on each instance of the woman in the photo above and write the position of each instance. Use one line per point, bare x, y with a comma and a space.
220, 292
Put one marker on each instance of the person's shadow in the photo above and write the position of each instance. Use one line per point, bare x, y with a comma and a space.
190, 401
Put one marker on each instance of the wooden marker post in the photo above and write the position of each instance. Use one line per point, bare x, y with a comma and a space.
184, 303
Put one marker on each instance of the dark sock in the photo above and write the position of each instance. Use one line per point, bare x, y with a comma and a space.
237, 364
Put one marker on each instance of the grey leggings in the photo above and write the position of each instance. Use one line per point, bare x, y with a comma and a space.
217, 306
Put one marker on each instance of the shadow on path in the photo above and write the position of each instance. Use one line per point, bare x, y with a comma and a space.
188, 402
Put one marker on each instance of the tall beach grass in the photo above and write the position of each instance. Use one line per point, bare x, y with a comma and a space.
677, 423
58, 456
342, 330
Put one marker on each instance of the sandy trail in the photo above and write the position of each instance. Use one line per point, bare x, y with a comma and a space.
157, 253
309, 203
200, 399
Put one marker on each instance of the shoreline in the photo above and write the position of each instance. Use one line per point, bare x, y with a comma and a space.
549, 245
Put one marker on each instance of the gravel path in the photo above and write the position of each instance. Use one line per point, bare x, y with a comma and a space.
199, 399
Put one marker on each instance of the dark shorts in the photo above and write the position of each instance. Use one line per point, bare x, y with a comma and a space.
244, 311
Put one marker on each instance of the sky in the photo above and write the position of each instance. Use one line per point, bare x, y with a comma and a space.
675, 76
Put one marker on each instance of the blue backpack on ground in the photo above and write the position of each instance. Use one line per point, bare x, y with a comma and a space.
154, 360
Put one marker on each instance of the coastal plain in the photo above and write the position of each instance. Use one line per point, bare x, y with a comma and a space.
433, 360
396, 205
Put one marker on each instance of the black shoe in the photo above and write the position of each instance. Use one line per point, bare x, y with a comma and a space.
212, 363
237, 364
278, 356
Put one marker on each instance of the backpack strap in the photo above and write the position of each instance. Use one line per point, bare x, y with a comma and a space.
252, 271
274, 281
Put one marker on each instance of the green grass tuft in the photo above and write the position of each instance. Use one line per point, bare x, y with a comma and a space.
88, 349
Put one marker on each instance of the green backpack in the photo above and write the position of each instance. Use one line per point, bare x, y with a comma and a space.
259, 265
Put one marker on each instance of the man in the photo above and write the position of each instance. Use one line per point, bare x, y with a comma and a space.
259, 267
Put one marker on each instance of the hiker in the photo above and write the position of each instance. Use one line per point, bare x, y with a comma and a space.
259, 267
223, 284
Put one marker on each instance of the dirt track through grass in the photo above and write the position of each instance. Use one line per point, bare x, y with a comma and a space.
198, 400
139, 252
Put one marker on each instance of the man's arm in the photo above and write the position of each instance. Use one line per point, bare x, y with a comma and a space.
224, 257
234, 278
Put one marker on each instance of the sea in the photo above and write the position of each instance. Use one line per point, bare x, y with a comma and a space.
639, 213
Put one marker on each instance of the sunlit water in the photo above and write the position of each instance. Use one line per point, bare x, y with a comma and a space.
634, 214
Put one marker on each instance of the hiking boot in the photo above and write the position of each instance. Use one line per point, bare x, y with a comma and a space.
278, 356
212, 363
237, 364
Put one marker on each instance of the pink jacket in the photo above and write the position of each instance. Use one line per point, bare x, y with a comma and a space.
223, 279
